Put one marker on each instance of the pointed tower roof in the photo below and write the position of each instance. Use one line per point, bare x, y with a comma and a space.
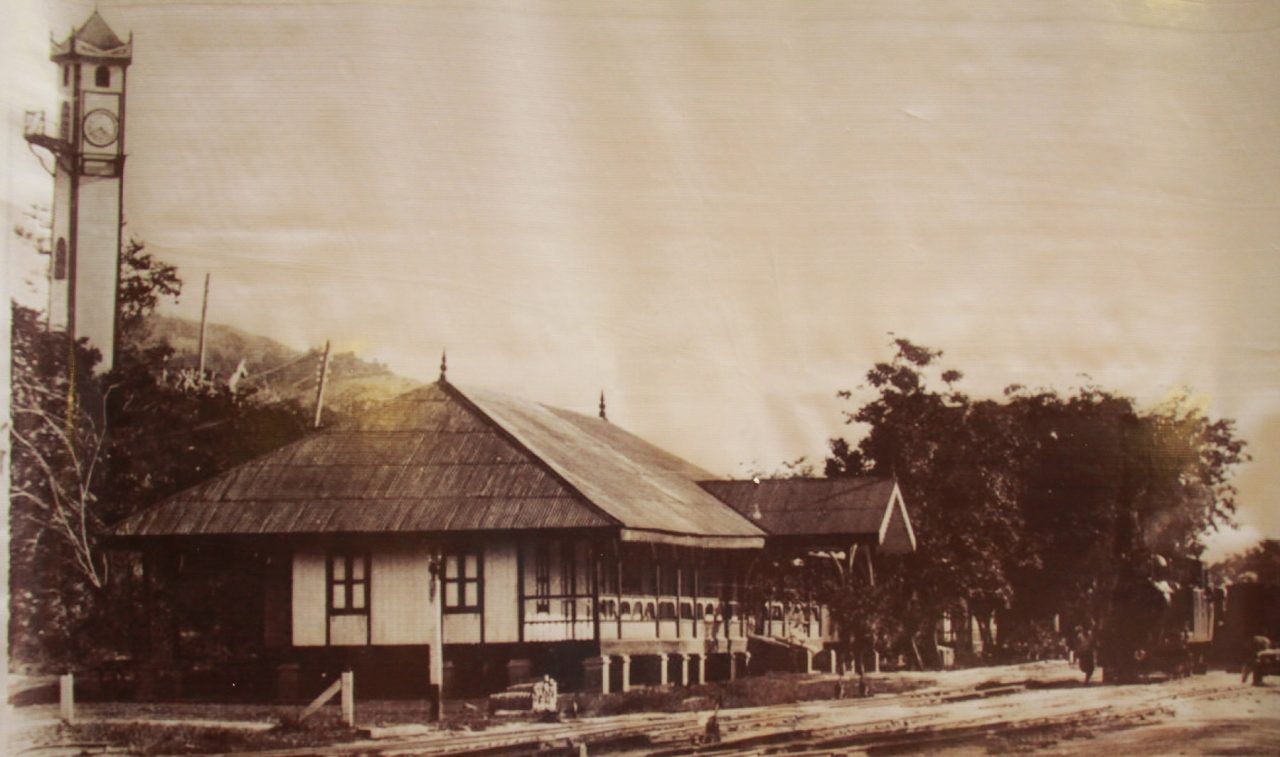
96, 32
94, 39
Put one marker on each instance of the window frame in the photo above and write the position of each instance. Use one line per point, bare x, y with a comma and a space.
458, 556
542, 578
348, 582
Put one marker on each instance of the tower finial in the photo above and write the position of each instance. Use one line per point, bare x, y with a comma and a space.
603, 416
444, 365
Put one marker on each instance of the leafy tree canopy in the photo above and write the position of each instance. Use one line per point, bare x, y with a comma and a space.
1030, 504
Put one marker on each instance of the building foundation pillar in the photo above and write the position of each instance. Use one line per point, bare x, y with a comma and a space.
595, 674
624, 682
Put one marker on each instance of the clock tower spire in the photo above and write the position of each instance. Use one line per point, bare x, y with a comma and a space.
88, 182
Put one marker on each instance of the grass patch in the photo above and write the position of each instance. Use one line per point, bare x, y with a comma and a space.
150, 738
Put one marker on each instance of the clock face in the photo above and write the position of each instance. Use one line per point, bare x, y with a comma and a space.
101, 127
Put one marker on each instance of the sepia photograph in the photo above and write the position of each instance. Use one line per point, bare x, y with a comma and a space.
641, 377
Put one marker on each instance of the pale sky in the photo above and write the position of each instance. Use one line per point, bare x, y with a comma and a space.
715, 211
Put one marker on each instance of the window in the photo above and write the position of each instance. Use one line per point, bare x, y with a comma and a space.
102, 76
542, 576
349, 584
64, 123
462, 581
60, 260
66, 76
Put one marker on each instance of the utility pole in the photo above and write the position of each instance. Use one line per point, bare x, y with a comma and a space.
204, 318
323, 378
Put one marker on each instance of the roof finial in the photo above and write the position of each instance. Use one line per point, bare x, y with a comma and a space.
603, 416
444, 365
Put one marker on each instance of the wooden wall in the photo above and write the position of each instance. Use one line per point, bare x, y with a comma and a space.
501, 615
309, 589
401, 610
400, 596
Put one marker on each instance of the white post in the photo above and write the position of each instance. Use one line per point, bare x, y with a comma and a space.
662, 670
624, 684
437, 641
349, 698
66, 698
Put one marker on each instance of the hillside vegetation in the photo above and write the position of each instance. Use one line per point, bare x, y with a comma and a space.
277, 371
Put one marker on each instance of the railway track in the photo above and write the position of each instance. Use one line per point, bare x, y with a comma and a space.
879, 725
893, 736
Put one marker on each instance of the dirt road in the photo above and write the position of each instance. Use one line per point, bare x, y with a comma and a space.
1040, 707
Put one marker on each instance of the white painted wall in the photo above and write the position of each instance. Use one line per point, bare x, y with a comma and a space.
402, 609
97, 256
501, 614
61, 230
348, 631
309, 599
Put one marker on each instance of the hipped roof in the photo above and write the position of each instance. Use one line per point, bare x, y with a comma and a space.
441, 459
862, 509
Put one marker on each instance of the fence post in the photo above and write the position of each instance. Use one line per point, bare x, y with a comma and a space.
349, 698
67, 698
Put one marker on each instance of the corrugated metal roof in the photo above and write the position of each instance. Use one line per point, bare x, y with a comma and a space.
810, 506
438, 459
421, 462
639, 485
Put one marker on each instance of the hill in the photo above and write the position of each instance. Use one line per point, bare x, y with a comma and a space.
276, 371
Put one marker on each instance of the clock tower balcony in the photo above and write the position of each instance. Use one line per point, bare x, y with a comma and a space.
34, 131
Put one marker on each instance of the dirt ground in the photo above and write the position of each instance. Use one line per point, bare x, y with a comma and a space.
1039, 708
1246, 724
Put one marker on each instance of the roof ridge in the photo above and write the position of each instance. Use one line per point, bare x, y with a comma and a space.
456, 393
513, 414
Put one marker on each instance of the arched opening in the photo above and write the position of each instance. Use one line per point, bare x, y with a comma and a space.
66, 75
64, 123
60, 260
102, 76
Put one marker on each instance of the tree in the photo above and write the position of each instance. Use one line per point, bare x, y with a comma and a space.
84, 459
144, 282
1260, 564
1031, 505
1109, 485
957, 462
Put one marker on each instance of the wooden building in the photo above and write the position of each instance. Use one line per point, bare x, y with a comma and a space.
518, 538
854, 520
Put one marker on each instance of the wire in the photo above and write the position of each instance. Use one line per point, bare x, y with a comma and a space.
282, 366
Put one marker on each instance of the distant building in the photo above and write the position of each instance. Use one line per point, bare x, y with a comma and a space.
519, 538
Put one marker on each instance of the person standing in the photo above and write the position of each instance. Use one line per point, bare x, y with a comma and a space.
1086, 656
1257, 644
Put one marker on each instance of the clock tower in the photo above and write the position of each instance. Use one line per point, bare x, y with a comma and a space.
87, 143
